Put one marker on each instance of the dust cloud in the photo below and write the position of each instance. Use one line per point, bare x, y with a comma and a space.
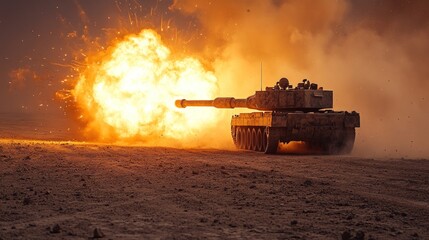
373, 54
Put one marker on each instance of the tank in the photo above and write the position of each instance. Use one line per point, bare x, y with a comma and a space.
286, 113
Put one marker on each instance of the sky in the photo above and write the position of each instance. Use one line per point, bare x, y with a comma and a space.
40, 39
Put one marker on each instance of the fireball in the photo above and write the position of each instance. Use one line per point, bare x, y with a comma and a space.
128, 92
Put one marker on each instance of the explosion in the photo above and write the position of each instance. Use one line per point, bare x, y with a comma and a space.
128, 92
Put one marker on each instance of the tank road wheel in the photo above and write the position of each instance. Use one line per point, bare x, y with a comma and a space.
248, 139
264, 140
237, 139
259, 144
242, 138
254, 140
272, 140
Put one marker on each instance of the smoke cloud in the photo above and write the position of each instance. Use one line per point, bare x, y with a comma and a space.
373, 54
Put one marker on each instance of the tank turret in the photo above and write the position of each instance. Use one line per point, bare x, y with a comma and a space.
281, 97
301, 113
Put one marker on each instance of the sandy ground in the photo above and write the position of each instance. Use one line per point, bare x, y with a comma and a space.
52, 190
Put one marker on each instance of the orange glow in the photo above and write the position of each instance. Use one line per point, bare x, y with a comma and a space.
128, 93
298, 147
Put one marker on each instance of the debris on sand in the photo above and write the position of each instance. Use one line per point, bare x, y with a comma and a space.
98, 233
55, 229
26, 158
360, 235
415, 236
308, 182
348, 235
293, 222
232, 225
26, 201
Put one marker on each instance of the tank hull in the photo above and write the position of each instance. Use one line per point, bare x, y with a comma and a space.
334, 132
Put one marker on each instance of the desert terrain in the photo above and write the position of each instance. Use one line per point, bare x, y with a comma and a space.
77, 190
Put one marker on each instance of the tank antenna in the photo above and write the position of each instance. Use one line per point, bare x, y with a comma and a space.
261, 76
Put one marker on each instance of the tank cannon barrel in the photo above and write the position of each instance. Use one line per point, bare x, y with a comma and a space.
221, 102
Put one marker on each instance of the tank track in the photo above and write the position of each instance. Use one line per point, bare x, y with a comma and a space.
267, 139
